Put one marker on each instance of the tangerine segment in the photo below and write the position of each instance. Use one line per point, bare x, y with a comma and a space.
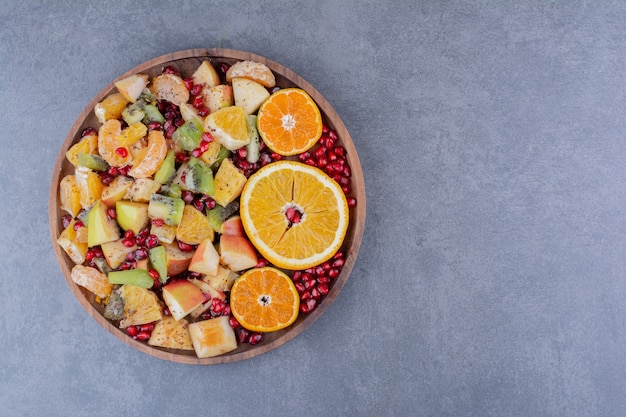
289, 121
108, 144
284, 186
264, 300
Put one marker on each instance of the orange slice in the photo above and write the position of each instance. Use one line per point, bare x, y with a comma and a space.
294, 214
140, 306
253, 71
91, 279
88, 144
108, 144
194, 227
154, 157
289, 121
264, 300
229, 127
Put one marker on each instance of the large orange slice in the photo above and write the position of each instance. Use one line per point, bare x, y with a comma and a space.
289, 121
109, 147
264, 300
294, 214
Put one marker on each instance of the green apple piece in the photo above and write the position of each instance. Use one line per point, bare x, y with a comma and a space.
167, 169
132, 215
189, 135
158, 259
101, 228
167, 208
137, 277
92, 161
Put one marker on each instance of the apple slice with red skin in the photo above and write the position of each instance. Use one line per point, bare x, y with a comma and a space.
182, 297
237, 253
205, 259
232, 227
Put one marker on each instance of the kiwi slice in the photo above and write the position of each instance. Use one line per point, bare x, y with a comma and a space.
189, 135
167, 208
167, 169
152, 114
158, 259
138, 277
92, 161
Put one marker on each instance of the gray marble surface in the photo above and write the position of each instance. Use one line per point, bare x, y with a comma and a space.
491, 279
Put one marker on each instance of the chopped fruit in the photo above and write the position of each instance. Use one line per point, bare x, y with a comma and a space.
223, 280
89, 186
228, 183
264, 300
88, 144
142, 190
141, 306
68, 240
165, 233
218, 97
219, 214
137, 277
237, 253
182, 297
177, 260
92, 161
172, 334
132, 86
249, 94
194, 227
116, 190
253, 71
212, 337
91, 279
289, 121
170, 87
110, 108
69, 195
154, 157
229, 127
115, 252
132, 134
168, 209
213, 153
300, 215
189, 112
205, 259
109, 148
132, 215
206, 75
233, 226
158, 259
167, 169
101, 228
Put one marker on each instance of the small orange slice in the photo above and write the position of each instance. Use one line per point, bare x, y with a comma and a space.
294, 214
154, 157
264, 300
289, 121
194, 227
108, 144
91, 279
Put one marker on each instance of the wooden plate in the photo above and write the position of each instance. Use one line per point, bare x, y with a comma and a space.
186, 62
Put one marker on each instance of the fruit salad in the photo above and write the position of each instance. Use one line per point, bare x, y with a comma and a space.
206, 209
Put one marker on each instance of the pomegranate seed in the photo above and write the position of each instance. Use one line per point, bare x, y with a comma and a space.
154, 273
322, 162
124, 170
129, 243
339, 262
311, 304
243, 335
203, 111
158, 222
346, 189
179, 122
111, 213
333, 273
143, 336
89, 255
98, 252
323, 280
344, 181
320, 152
188, 83
129, 234
210, 204
197, 102
184, 246
315, 293
196, 153
300, 287
275, 156
78, 224
265, 159
132, 330
347, 172
181, 157
323, 289
204, 144
187, 196
324, 130
127, 265
196, 89
255, 339
310, 283
88, 132
170, 132
122, 151
147, 327
105, 178
311, 162
224, 67
170, 70
261, 263
169, 122
233, 322
351, 202
152, 241
153, 126
130, 256
340, 151
305, 295
198, 204
332, 135
242, 153
113, 171
304, 156
296, 276
66, 220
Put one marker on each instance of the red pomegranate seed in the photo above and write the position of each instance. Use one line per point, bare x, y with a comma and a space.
129, 234
187, 196
169, 122
333, 273
152, 241
305, 295
346, 189
315, 293
243, 335
296, 276
300, 287
340, 151
224, 67
197, 102
311, 162
304, 156
320, 152
233, 322
147, 327
255, 339
347, 172
351, 202
332, 156
323, 280
66, 220
203, 111
124, 170
182, 157
121, 151
158, 222
198, 204
204, 145
310, 283
324, 130
261, 263
179, 122
78, 224
170, 70
322, 162
323, 289
242, 153
132, 330
188, 83
111, 213
130, 256
196, 153
154, 274
339, 262
170, 132
210, 204
88, 132
129, 243
153, 126
143, 336
276, 156
309, 306
184, 246
196, 89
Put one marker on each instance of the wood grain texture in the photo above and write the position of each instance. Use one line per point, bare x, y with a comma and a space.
186, 62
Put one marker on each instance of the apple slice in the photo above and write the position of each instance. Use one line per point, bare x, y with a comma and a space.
249, 94
182, 297
206, 75
223, 280
132, 215
100, 227
232, 226
212, 337
131, 87
172, 334
142, 189
177, 260
237, 252
170, 87
115, 252
116, 190
205, 259
217, 97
